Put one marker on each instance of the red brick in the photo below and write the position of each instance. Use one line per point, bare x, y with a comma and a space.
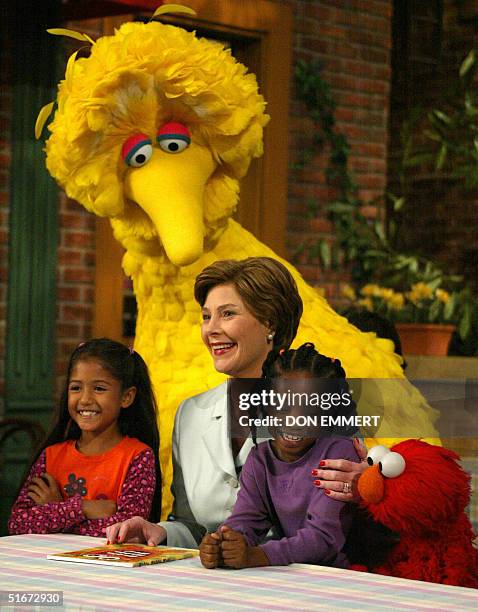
319, 12
89, 258
371, 181
369, 211
76, 313
78, 239
70, 220
5, 161
321, 225
68, 257
78, 275
370, 150
66, 348
67, 330
88, 295
69, 294
306, 26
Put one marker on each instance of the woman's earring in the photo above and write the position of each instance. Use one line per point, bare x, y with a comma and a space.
270, 337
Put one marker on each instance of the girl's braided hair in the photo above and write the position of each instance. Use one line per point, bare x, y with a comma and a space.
308, 360
304, 359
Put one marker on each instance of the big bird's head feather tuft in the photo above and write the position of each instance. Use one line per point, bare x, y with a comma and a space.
135, 81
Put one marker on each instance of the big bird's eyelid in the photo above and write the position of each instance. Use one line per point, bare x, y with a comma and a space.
173, 137
137, 150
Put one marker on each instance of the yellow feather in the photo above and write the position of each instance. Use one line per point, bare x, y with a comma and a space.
71, 34
43, 115
173, 8
70, 66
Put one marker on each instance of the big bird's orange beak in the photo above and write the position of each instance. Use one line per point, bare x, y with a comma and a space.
371, 486
170, 189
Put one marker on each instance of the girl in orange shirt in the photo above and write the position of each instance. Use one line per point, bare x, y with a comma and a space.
99, 463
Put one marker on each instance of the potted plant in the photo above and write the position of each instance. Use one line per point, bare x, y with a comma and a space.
425, 314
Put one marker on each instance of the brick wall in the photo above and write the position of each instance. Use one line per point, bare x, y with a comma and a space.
353, 41
76, 266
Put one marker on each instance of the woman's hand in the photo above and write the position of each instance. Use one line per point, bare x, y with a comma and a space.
136, 529
210, 550
98, 508
339, 477
237, 553
44, 489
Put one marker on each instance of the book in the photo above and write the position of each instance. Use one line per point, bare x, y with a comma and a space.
125, 555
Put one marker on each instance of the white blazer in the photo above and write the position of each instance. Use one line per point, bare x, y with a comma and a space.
205, 484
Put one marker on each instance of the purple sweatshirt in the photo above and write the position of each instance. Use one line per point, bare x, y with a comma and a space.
312, 527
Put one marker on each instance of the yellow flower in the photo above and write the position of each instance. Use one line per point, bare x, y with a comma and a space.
386, 294
371, 290
396, 301
366, 303
420, 291
348, 292
442, 295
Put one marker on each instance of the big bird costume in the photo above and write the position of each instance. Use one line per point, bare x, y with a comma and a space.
154, 130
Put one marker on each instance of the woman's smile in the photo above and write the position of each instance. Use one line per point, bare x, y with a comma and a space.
236, 340
221, 348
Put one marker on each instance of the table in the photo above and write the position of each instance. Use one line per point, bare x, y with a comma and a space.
185, 585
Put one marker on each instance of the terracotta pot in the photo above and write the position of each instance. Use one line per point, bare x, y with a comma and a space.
425, 338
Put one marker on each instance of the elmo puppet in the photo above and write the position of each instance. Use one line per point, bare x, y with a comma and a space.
419, 491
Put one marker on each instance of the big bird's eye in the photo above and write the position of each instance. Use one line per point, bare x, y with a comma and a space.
376, 454
137, 150
173, 137
393, 464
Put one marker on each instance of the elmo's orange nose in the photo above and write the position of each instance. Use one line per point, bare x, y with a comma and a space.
371, 485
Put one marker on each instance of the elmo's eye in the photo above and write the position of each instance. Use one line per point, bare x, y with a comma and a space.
376, 454
137, 150
393, 464
173, 137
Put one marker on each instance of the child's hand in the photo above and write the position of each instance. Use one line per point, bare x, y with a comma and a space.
98, 508
43, 490
136, 529
237, 553
210, 550
234, 548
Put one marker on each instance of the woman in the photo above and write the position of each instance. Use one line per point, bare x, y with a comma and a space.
248, 308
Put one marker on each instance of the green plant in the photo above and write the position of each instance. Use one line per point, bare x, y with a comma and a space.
367, 247
418, 303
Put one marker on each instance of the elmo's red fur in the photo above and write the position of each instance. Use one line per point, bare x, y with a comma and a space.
425, 505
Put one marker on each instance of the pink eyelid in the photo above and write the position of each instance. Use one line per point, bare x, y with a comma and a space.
173, 129
132, 144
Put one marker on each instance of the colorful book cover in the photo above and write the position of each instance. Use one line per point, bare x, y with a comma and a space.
125, 555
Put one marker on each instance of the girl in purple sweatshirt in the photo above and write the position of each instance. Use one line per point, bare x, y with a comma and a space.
275, 481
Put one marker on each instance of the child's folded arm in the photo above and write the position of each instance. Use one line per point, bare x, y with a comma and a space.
28, 517
250, 515
320, 541
134, 500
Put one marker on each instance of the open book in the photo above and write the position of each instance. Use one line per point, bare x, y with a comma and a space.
126, 555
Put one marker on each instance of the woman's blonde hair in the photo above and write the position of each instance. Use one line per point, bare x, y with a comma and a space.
267, 288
